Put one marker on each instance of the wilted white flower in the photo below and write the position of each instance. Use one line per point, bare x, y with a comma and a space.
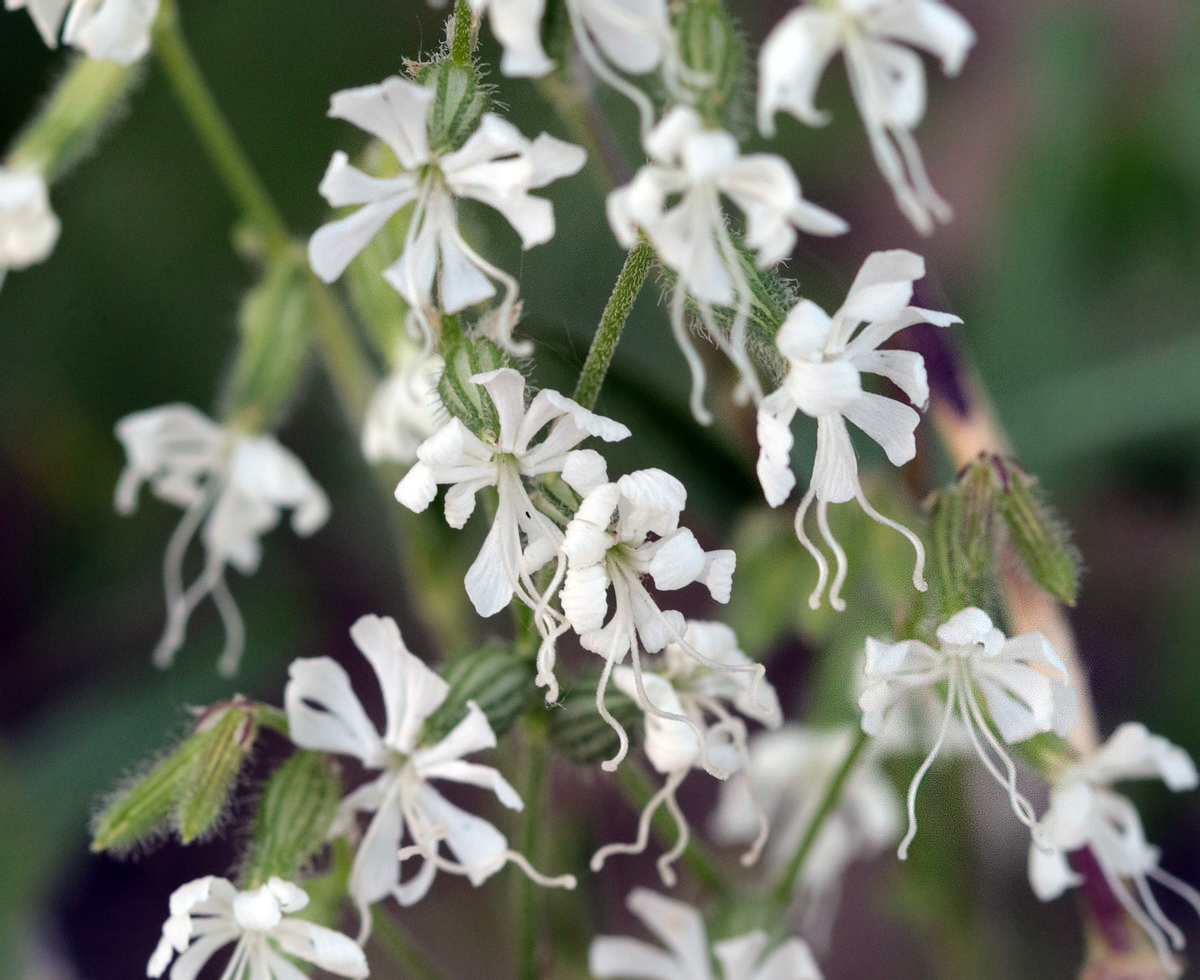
233, 486
622, 532
1085, 813
787, 773
404, 411
107, 30
28, 228
456, 456
826, 357
1023, 682
496, 166
711, 737
324, 714
209, 913
675, 199
687, 955
886, 79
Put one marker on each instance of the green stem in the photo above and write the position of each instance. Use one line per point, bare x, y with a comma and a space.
213, 129
460, 44
612, 323
636, 786
533, 791
782, 893
352, 377
392, 939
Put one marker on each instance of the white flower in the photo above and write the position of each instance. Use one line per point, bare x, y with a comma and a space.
886, 79
826, 357
496, 166
456, 456
232, 486
687, 956
622, 532
324, 714
1023, 682
28, 228
787, 773
688, 724
404, 411
209, 913
109, 30
675, 199
1085, 813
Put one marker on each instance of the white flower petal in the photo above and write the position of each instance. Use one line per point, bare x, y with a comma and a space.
888, 422
341, 725
619, 957
395, 110
678, 925
791, 63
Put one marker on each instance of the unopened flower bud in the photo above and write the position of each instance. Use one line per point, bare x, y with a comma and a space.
227, 734
466, 401
579, 732
295, 813
1037, 534
964, 538
495, 679
713, 51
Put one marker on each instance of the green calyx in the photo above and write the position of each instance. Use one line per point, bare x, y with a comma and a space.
493, 678
459, 101
466, 357
579, 733
714, 52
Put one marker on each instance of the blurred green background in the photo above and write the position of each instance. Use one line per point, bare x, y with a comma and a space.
1070, 148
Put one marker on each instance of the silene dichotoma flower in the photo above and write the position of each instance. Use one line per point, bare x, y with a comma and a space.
107, 30
687, 955
209, 913
708, 698
826, 357
621, 533
1085, 813
522, 539
496, 166
887, 80
232, 486
325, 714
28, 228
1023, 683
675, 199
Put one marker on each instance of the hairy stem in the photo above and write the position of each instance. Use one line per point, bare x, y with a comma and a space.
612, 323
460, 43
782, 893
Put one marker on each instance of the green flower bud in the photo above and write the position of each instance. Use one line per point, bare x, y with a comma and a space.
275, 324
139, 812
964, 539
1038, 536
578, 731
465, 400
497, 680
226, 734
295, 813
459, 102
68, 125
713, 50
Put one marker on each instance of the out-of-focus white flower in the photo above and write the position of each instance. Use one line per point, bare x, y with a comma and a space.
324, 714
456, 456
675, 199
496, 166
786, 775
1015, 676
232, 486
622, 532
404, 411
687, 955
1085, 813
886, 79
209, 913
28, 228
826, 358
107, 30
710, 736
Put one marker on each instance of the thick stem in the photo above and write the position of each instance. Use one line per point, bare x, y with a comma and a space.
612, 323
833, 792
392, 939
211, 127
636, 786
